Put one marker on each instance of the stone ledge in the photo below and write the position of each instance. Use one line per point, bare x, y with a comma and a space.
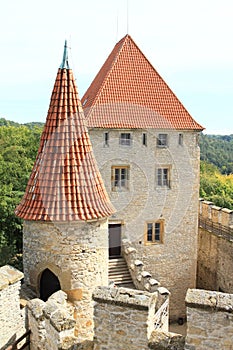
226, 210
36, 307
166, 340
209, 300
9, 275
140, 300
55, 310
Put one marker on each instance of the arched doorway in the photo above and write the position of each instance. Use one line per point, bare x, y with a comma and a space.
49, 284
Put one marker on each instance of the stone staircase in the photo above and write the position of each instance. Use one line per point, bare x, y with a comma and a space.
118, 273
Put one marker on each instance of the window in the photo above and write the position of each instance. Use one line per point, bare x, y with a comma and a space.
125, 139
144, 139
181, 139
106, 139
120, 178
162, 140
163, 177
154, 232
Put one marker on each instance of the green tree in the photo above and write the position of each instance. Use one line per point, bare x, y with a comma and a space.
215, 186
18, 149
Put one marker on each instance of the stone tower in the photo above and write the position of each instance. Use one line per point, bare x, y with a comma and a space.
66, 207
146, 145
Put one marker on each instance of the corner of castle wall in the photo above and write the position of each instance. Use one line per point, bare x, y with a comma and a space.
209, 315
12, 318
122, 313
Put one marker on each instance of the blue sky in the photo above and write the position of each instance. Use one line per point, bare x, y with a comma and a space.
188, 42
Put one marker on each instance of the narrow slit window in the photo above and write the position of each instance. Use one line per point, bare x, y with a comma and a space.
181, 139
144, 139
106, 139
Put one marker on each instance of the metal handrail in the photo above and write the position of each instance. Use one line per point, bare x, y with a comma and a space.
216, 228
14, 345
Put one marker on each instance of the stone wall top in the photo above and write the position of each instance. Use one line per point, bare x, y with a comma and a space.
212, 300
9, 275
137, 299
208, 210
55, 309
166, 341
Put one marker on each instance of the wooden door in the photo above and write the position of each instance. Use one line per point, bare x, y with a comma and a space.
114, 240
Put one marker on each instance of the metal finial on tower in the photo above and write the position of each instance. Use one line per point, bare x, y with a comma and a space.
127, 16
65, 63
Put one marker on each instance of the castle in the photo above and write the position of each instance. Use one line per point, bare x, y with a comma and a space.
116, 177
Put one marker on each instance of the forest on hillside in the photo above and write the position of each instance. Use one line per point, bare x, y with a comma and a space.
218, 150
216, 171
18, 149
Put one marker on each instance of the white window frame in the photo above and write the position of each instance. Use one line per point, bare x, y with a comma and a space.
162, 140
125, 139
120, 177
163, 177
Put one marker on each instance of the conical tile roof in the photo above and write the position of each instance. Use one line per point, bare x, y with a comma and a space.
129, 93
65, 183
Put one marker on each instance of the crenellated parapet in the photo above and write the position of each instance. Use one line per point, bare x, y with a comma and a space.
218, 215
142, 279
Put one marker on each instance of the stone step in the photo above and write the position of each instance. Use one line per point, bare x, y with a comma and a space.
121, 279
116, 261
118, 272
116, 265
119, 283
118, 268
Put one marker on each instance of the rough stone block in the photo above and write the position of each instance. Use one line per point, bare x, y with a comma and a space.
166, 341
75, 294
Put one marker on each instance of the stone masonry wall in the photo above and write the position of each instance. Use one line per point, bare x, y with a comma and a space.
52, 324
215, 262
12, 323
77, 253
124, 318
142, 279
209, 320
173, 262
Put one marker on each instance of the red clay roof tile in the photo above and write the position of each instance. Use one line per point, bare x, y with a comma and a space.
129, 93
65, 183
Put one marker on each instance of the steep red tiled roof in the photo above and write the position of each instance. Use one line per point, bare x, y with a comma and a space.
65, 182
129, 93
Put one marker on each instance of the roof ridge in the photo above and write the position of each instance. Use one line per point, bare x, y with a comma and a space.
157, 73
121, 44
127, 80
